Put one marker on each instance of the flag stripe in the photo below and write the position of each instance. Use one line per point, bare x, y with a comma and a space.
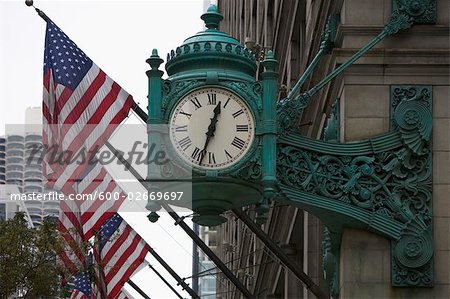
81, 108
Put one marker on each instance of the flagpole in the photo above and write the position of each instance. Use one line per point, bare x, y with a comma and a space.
164, 280
39, 12
138, 289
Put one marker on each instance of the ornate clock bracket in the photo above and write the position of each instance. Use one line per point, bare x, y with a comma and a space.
382, 184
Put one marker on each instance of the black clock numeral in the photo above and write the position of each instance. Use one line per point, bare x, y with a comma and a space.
197, 154
241, 128
226, 103
237, 142
188, 115
182, 128
212, 99
237, 113
196, 103
211, 158
227, 154
185, 143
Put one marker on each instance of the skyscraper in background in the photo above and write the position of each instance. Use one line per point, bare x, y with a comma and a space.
23, 166
2, 161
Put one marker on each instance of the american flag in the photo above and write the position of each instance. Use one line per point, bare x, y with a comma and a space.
121, 253
83, 287
82, 107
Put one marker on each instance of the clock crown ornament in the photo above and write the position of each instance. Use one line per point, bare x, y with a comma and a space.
211, 49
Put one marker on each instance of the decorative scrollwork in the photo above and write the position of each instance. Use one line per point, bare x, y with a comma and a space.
407, 12
394, 183
252, 171
413, 253
412, 117
174, 90
288, 112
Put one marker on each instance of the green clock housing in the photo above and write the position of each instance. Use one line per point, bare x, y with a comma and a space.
221, 122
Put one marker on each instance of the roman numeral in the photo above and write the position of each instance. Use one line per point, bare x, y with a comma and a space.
182, 128
211, 158
226, 103
241, 128
212, 99
196, 154
227, 154
185, 143
237, 142
196, 103
237, 113
185, 113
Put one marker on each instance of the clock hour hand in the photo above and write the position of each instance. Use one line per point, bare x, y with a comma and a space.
210, 132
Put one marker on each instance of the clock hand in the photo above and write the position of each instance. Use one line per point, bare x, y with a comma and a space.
210, 132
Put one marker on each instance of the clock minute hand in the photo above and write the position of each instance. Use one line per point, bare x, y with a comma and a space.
210, 132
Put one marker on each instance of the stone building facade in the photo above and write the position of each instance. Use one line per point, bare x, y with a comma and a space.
360, 101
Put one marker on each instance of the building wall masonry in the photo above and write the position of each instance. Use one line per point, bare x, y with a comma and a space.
365, 257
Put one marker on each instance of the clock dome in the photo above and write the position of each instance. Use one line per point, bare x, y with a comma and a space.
210, 49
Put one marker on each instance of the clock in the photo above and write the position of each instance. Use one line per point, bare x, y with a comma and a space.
211, 128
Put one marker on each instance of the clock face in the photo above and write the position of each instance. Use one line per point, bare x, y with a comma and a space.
212, 128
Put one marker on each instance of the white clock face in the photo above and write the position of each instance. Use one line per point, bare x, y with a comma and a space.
212, 128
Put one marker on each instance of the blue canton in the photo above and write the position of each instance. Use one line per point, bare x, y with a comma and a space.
69, 64
109, 228
83, 284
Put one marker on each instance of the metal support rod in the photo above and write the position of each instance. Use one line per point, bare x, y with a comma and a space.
307, 72
212, 256
326, 44
273, 247
349, 62
174, 274
138, 289
178, 220
165, 281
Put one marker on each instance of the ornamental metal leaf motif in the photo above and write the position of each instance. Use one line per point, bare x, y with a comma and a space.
393, 181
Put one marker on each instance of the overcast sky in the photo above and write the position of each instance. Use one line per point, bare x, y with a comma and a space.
118, 36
